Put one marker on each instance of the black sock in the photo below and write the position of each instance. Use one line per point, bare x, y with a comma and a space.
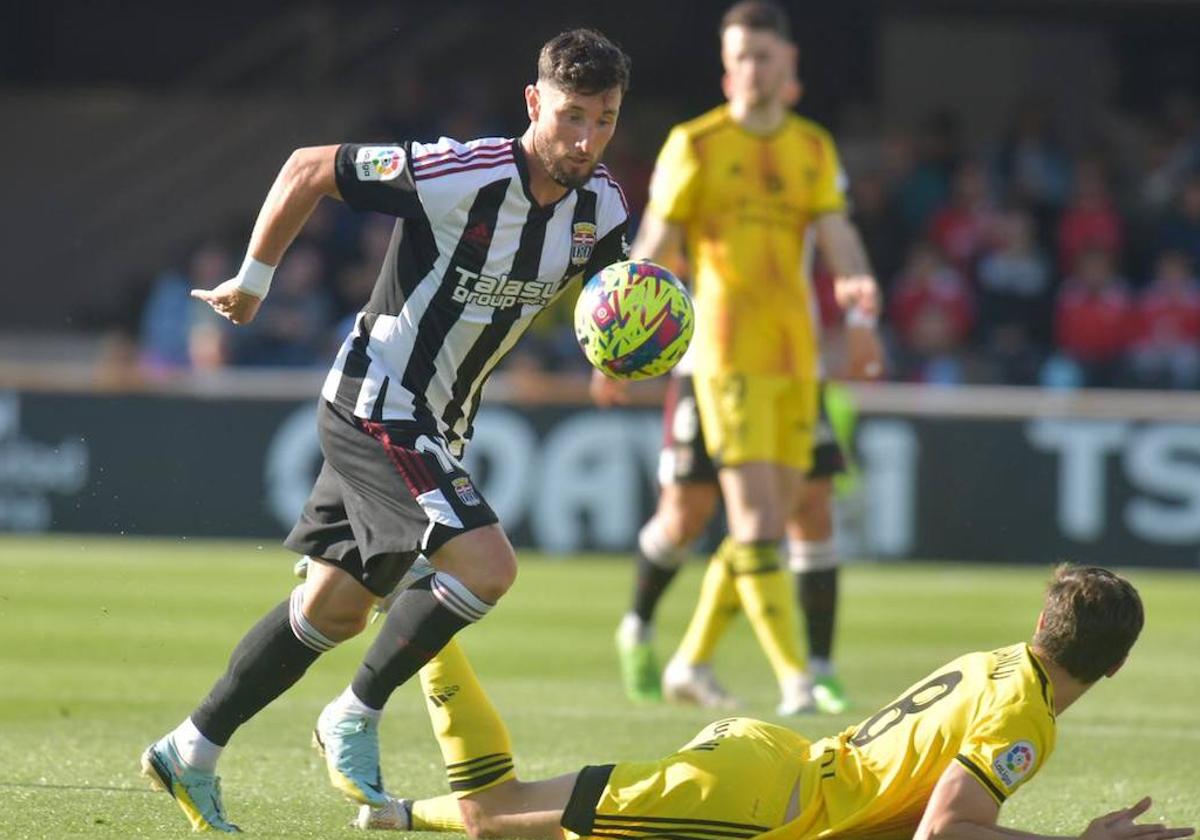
652, 581
817, 593
416, 628
266, 662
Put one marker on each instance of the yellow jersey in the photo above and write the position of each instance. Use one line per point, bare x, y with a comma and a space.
746, 202
992, 712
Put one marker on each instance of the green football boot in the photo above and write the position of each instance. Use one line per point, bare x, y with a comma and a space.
640, 674
829, 695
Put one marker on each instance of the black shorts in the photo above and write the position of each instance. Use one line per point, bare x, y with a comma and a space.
685, 460
386, 492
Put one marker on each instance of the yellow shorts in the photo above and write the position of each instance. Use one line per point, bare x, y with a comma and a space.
758, 418
735, 778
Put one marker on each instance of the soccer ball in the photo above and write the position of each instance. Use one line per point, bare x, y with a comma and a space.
634, 320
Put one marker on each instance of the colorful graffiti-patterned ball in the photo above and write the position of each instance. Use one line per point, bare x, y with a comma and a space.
634, 320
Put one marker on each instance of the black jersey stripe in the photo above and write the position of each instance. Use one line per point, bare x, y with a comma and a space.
668, 833
380, 401
610, 835
456, 436
354, 369
444, 312
1043, 679
411, 255
580, 812
982, 777
680, 821
584, 213
524, 267
641, 832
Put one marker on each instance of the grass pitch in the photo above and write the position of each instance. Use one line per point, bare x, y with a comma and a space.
107, 643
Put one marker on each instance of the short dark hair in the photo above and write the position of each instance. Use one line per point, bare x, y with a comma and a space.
761, 15
583, 61
1090, 621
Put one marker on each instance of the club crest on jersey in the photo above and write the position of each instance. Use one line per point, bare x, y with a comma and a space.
583, 240
1014, 763
378, 163
465, 490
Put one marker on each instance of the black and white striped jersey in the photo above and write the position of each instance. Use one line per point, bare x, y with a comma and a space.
473, 259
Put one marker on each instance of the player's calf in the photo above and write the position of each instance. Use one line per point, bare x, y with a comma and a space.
421, 622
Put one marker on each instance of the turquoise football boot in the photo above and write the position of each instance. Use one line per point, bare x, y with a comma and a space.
198, 794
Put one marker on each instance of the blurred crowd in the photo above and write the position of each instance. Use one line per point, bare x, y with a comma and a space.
1033, 262
1027, 259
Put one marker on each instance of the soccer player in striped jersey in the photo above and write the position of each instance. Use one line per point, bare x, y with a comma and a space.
936, 763
488, 233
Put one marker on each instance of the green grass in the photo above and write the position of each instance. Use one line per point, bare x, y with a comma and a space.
107, 643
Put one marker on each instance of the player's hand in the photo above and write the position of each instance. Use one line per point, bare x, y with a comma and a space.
857, 291
231, 302
1120, 825
607, 392
865, 359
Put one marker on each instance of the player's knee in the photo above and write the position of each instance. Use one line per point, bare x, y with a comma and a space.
684, 513
482, 560
692, 523
757, 526
813, 512
503, 575
340, 624
493, 575
334, 603
322, 624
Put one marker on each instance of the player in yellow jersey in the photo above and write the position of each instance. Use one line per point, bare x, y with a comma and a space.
741, 192
938, 762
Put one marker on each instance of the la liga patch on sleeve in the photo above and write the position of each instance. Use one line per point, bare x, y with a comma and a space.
1014, 763
378, 163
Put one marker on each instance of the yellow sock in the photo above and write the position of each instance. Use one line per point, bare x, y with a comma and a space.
473, 739
438, 814
716, 606
765, 593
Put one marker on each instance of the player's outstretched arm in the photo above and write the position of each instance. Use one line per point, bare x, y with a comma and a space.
308, 175
960, 809
532, 810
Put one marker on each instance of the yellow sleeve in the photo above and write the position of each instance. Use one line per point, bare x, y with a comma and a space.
1007, 747
675, 183
830, 193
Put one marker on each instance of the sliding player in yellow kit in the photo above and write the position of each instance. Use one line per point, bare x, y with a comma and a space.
938, 762
740, 191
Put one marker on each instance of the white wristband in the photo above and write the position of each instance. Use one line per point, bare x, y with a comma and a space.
856, 317
254, 277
